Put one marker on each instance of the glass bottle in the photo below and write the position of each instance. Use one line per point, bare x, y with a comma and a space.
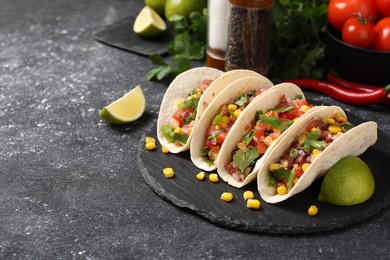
218, 11
248, 35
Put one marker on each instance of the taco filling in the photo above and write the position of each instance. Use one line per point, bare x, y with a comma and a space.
223, 121
266, 128
184, 118
318, 135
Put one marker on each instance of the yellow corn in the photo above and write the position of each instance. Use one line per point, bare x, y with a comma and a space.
227, 196
178, 130
274, 166
164, 149
253, 204
225, 119
313, 129
180, 101
168, 172
150, 146
217, 127
340, 133
195, 96
295, 119
222, 125
304, 108
305, 166
267, 141
316, 152
232, 107
312, 210
241, 146
340, 117
301, 139
149, 139
331, 121
281, 190
334, 129
200, 176
213, 177
248, 195
295, 180
237, 113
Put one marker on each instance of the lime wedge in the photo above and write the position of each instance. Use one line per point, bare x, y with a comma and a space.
128, 108
148, 23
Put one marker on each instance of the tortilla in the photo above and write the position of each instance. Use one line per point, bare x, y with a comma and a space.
244, 124
354, 142
229, 93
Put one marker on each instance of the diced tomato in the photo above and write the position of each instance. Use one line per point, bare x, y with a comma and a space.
298, 171
258, 134
221, 137
263, 127
290, 114
213, 153
262, 148
311, 126
209, 144
258, 92
177, 116
275, 135
204, 85
302, 102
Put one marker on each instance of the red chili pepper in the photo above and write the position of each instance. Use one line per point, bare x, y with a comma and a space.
342, 94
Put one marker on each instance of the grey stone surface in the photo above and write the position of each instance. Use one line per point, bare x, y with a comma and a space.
70, 187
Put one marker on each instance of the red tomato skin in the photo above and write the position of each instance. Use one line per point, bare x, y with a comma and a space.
358, 33
382, 38
339, 11
383, 7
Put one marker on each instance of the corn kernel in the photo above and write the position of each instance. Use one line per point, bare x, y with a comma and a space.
225, 119
273, 167
149, 139
340, 117
313, 210
195, 96
305, 166
222, 125
232, 107
267, 141
313, 129
213, 177
150, 146
295, 119
248, 195
301, 139
253, 204
275, 130
180, 101
295, 180
237, 113
200, 176
316, 152
164, 149
285, 164
241, 146
178, 130
334, 129
304, 108
227, 196
168, 172
340, 133
331, 121
281, 190
217, 127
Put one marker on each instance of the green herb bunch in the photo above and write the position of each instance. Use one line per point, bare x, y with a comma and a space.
189, 44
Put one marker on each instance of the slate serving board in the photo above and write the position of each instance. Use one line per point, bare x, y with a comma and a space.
288, 217
121, 35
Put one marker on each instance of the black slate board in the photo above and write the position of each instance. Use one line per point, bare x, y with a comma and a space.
288, 217
121, 35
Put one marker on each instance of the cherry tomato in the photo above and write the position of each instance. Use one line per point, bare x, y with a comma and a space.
382, 38
383, 7
339, 11
358, 32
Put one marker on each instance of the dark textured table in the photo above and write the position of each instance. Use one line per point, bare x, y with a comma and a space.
70, 187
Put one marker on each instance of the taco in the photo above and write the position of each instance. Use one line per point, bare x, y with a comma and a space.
309, 149
213, 127
258, 129
186, 99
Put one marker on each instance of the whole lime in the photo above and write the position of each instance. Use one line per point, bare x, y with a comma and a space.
183, 7
156, 5
348, 182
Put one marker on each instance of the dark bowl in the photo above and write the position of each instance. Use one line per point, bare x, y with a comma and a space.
357, 64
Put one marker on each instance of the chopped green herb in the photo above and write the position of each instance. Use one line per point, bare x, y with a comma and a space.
283, 174
168, 132
311, 140
244, 159
283, 109
241, 100
205, 155
248, 137
347, 127
217, 119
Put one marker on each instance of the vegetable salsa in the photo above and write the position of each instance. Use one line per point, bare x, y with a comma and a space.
302, 152
223, 121
266, 128
184, 119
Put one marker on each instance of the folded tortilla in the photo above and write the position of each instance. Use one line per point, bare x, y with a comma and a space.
228, 94
353, 142
244, 124
182, 85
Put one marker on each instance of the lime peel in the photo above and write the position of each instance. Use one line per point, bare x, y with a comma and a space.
126, 109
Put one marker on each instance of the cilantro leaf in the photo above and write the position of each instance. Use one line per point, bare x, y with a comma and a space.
248, 137
168, 132
241, 100
283, 109
311, 140
244, 159
283, 174
217, 119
